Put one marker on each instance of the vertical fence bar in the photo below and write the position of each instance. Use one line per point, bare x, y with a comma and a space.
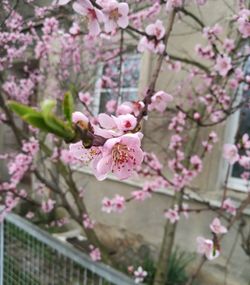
1, 251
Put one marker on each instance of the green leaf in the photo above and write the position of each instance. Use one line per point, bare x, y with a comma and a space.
20, 109
57, 125
68, 106
37, 121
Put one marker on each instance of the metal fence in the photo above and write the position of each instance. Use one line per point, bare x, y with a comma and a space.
30, 256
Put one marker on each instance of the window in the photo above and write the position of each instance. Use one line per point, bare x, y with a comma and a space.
239, 124
107, 85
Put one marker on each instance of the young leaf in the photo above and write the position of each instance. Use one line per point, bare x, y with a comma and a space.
20, 109
68, 106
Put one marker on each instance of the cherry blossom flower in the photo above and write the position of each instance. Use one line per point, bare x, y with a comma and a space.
156, 29
228, 45
223, 65
120, 156
245, 141
229, 206
217, 228
125, 122
115, 15
95, 253
141, 195
171, 4
159, 101
111, 106
230, 153
87, 222
80, 118
172, 215
48, 206
133, 107
118, 204
244, 161
94, 15
207, 247
107, 205
140, 275
244, 23
85, 98
155, 45
79, 152
196, 162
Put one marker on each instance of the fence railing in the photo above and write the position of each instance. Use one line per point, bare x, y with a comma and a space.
30, 256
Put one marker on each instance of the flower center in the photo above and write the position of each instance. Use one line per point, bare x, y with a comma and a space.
128, 124
120, 153
114, 14
92, 14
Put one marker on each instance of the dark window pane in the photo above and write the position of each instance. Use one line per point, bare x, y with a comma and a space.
244, 126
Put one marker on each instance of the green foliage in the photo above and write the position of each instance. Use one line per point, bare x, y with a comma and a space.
177, 274
68, 106
46, 120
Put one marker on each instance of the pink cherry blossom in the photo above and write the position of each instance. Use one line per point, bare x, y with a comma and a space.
156, 44
196, 162
172, 215
95, 253
156, 29
111, 106
79, 152
78, 117
107, 205
223, 65
120, 156
245, 141
206, 247
87, 222
159, 101
217, 228
141, 195
230, 153
115, 15
228, 45
48, 206
171, 4
244, 23
229, 206
124, 109
94, 15
125, 122
118, 204
85, 98
244, 161
140, 275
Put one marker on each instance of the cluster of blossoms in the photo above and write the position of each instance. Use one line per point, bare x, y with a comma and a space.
87, 222
22, 162
240, 154
95, 253
210, 248
111, 13
117, 204
173, 215
121, 152
153, 42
